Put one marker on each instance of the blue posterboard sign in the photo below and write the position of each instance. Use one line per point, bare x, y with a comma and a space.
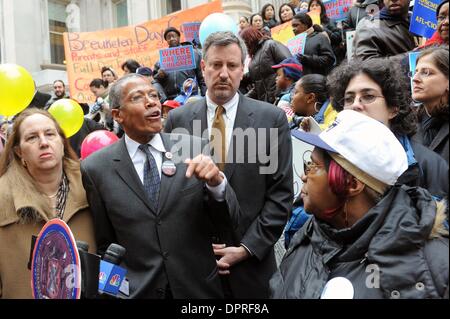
177, 59
297, 44
191, 31
412, 57
337, 9
423, 21
55, 266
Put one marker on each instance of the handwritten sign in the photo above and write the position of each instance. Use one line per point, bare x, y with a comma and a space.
87, 52
190, 31
297, 44
283, 32
337, 9
423, 21
177, 59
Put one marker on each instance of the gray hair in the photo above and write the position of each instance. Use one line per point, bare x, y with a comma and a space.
115, 93
223, 39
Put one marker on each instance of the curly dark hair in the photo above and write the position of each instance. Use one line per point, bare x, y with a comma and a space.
393, 83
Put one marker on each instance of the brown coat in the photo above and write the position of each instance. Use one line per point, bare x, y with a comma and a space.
16, 230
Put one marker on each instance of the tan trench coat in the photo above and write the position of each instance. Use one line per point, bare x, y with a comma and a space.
15, 232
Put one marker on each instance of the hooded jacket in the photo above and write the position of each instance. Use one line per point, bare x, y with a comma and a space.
399, 249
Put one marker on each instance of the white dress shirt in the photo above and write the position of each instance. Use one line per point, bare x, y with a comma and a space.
157, 149
229, 116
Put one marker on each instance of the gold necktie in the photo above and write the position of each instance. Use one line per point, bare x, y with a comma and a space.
218, 138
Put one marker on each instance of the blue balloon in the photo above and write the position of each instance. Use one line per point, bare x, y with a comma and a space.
216, 22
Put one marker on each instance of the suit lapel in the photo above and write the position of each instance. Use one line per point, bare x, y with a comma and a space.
168, 181
125, 169
244, 119
198, 122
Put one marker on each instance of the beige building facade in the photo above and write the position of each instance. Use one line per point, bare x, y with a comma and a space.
31, 30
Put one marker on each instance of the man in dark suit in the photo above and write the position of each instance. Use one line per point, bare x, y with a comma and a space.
260, 172
160, 207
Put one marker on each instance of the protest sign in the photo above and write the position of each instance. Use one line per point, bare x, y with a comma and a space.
423, 21
87, 52
283, 32
190, 31
302, 151
177, 59
297, 44
337, 9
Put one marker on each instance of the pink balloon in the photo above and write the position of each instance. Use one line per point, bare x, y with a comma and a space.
96, 141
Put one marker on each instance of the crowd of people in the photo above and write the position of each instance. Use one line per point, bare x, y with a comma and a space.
199, 189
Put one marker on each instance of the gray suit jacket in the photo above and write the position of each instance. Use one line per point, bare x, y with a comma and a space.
265, 200
168, 247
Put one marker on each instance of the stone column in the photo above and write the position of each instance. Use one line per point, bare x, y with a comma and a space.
236, 8
7, 29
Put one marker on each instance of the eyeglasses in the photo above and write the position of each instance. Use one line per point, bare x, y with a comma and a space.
442, 18
423, 73
363, 99
308, 165
140, 97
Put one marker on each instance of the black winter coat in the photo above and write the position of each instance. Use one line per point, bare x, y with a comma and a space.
430, 172
394, 251
318, 56
438, 131
269, 53
357, 12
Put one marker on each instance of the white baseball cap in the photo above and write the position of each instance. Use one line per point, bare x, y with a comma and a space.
365, 147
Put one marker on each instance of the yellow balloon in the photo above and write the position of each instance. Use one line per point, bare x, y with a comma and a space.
16, 89
68, 114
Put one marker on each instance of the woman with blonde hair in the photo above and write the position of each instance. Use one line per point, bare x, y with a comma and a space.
40, 180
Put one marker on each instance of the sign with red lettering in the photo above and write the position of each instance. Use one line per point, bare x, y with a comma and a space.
87, 52
337, 9
177, 59
190, 31
297, 44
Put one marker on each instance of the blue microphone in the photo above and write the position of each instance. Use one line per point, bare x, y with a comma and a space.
111, 275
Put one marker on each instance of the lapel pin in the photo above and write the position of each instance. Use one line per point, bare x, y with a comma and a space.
168, 155
168, 168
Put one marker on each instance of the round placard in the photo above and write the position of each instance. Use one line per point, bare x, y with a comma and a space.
55, 267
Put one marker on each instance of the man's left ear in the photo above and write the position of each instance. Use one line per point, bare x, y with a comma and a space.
116, 115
